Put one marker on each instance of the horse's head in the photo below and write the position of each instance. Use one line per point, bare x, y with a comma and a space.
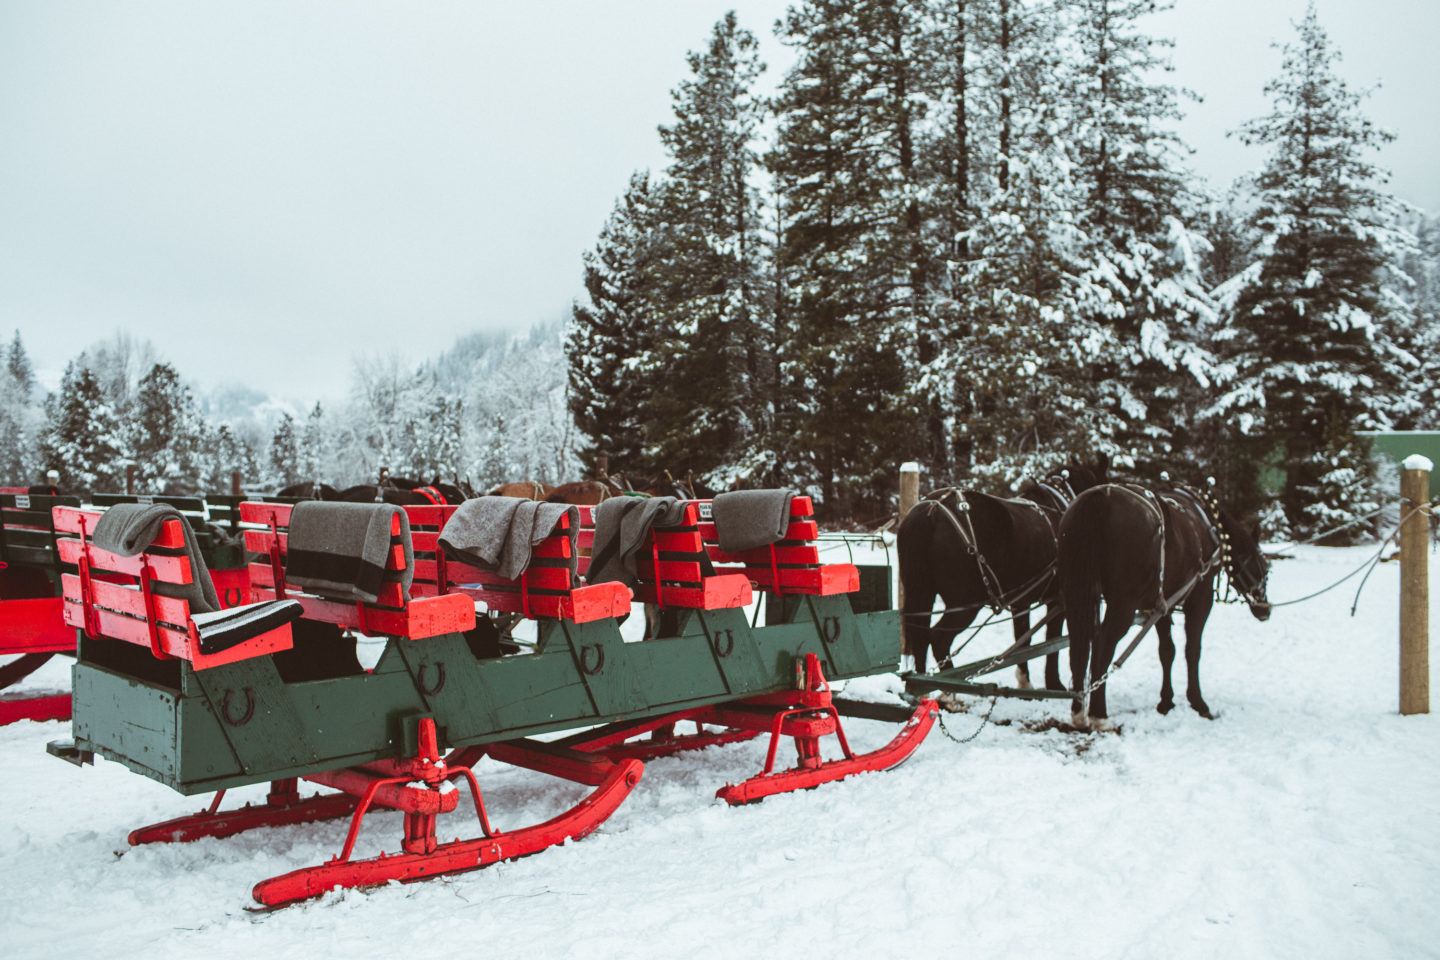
1245, 563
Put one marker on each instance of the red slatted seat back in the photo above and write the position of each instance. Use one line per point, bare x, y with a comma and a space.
545, 590
393, 613
671, 571
121, 598
790, 566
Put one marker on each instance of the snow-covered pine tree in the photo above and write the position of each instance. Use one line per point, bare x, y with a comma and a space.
1140, 288
713, 294
844, 160
225, 455
1316, 313
1007, 364
83, 437
166, 434
20, 416
1422, 387
315, 445
286, 462
610, 344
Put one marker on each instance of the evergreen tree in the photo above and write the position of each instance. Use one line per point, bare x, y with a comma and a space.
1314, 317
166, 434
712, 293
848, 263
1010, 346
286, 463
19, 367
19, 415
611, 343
1140, 290
83, 438
314, 448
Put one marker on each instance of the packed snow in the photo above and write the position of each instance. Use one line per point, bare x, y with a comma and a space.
1300, 823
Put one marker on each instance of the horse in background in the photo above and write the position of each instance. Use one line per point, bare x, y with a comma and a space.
525, 490
404, 492
975, 550
310, 490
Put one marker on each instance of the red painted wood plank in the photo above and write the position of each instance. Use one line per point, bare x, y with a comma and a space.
252, 511
67, 520
168, 569
784, 554
682, 571
830, 579
127, 599
118, 626
721, 592
798, 530
598, 602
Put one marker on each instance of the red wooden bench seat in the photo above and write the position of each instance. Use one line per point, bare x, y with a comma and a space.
671, 574
545, 590
392, 614
790, 566
112, 596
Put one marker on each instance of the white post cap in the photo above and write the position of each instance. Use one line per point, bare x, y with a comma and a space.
909, 466
1415, 461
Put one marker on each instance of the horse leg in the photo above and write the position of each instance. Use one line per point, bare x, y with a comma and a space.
1053, 630
1080, 642
943, 634
1197, 611
1022, 669
1118, 620
1167, 657
919, 601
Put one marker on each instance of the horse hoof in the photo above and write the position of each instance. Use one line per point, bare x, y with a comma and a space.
1102, 725
1165, 706
1022, 680
950, 703
1078, 720
1203, 710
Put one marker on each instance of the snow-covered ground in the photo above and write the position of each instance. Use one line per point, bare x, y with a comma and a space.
1303, 822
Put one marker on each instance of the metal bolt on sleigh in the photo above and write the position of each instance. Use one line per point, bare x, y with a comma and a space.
272, 692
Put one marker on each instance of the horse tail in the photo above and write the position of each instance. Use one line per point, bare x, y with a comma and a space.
917, 580
1081, 548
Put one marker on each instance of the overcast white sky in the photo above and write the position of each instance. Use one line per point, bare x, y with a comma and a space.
266, 187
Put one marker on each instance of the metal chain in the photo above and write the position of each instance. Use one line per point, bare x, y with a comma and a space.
983, 723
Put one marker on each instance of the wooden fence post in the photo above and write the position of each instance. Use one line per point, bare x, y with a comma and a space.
1415, 586
909, 496
602, 466
130, 479
909, 487
235, 490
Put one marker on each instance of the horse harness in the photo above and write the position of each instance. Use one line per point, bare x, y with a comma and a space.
959, 517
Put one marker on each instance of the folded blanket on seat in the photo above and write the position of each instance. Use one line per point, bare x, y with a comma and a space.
620, 527
340, 549
224, 629
500, 533
750, 519
128, 528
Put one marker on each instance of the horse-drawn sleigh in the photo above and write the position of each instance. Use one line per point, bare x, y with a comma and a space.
273, 693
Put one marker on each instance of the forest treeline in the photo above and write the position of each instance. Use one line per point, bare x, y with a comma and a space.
962, 232
965, 233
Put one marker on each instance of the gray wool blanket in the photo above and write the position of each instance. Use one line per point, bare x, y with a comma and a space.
750, 519
500, 533
620, 527
128, 528
340, 549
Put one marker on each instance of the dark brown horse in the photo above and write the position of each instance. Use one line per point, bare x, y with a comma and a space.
1148, 552
404, 492
975, 550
